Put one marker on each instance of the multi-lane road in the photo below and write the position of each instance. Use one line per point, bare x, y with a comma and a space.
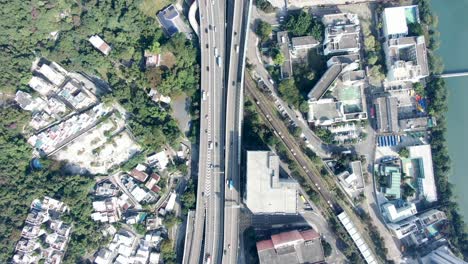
207, 232
238, 19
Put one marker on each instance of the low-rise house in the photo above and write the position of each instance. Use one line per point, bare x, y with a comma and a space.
44, 236
100, 44
386, 109
107, 210
341, 33
106, 189
305, 42
139, 173
170, 20
286, 70
152, 59
160, 160
151, 184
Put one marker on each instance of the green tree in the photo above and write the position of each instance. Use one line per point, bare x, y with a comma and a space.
289, 92
372, 58
167, 251
156, 47
299, 24
327, 249
419, 89
171, 220
263, 30
279, 58
404, 152
265, 6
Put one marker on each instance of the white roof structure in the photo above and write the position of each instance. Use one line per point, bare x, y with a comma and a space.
40, 85
171, 203
52, 75
100, 44
356, 236
426, 183
154, 258
160, 159
395, 21
139, 193
394, 214
266, 192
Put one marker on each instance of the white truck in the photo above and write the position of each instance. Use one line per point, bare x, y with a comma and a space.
218, 61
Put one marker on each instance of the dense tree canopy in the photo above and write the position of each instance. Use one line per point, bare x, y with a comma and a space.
304, 24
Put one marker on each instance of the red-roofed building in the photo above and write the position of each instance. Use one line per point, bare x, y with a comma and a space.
264, 245
156, 177
156, 188
139, 175
286, 238
309, 235
291, 247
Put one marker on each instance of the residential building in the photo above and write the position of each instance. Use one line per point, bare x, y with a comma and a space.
44, 236
139, 173
100, 44
339, 94
394, 214
286, 70
406, 59
266, 192
170, 20
106, 189
386, 109
151, 184
305, 42
107, 210
152, 59
396, 19
341, 33
419, 166
360, 243
160, 160
291, 247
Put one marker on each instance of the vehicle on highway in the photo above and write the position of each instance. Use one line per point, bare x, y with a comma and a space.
206, 30
302, 198
204, 95
218, 61
207, 68
216, 51
215, 28
210, 145
207, 46
230, 184
208, 259
210, 27
271, 81
237, 48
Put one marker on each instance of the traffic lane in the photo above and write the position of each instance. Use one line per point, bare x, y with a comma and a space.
282, 131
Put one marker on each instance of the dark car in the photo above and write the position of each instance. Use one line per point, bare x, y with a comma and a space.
208, 68
206, 30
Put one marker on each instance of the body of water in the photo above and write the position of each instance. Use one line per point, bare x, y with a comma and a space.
453, 20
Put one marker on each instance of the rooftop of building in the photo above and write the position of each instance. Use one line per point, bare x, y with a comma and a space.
394, 213
167, 19
265, 191
427, 183
283, 42
291, 247
396, 19
304, 41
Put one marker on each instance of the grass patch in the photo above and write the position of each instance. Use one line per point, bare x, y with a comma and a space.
151, 7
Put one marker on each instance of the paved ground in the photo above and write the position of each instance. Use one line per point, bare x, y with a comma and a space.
180, 107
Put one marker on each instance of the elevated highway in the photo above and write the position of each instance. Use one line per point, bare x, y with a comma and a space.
206, 242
